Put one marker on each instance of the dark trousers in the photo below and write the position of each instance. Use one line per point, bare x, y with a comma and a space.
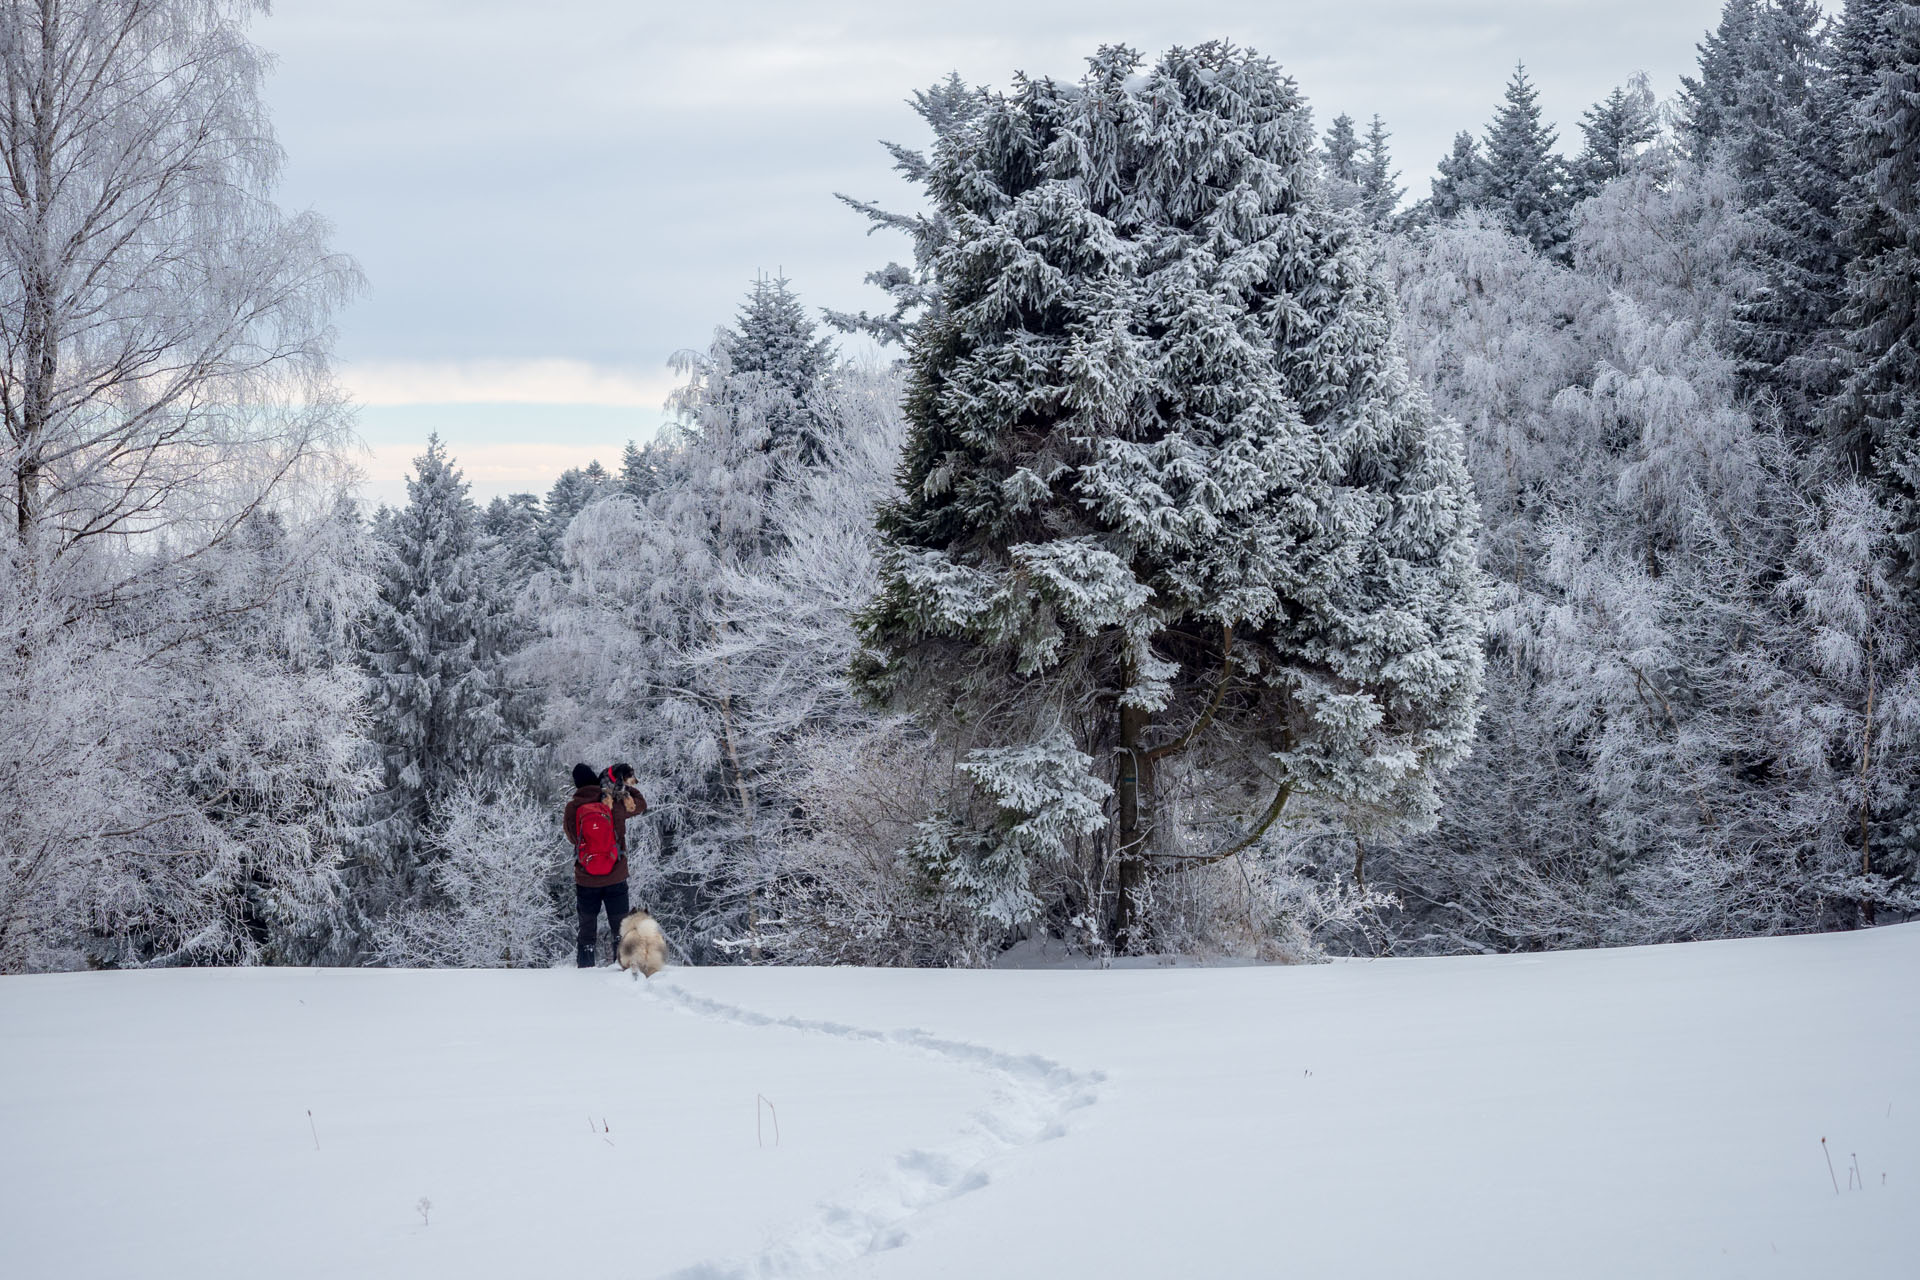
589, 901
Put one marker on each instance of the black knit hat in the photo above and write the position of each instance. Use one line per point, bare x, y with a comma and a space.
584, 776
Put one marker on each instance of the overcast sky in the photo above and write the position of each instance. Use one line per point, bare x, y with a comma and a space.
550, 200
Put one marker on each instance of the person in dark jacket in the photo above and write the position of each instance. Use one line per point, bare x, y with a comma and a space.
592, 894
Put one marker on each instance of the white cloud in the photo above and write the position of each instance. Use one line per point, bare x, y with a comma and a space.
603, 181
549, 381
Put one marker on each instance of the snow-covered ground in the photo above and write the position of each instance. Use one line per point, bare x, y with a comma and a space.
1632, 1113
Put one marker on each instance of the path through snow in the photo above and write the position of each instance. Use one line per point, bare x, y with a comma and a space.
1032, 1098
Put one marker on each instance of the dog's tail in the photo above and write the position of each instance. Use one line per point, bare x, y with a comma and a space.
642, 945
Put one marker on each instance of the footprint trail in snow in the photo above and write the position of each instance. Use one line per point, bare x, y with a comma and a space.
1032, 1097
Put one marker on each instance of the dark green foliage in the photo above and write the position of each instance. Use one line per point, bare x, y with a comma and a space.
1165, 471
1615, 129
1522, 181
1768, 106
777, 357
1457, 186
1341, 150
1875, 411
1379, 196
435, 643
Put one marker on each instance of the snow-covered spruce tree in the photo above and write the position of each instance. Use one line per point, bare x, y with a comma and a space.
435, 644
1457, 184
773, 339
574, 491
1523, 182
644, 468
1173, 521
1340, 163
1768, 106
944, 108
169, 461
1875, 414
1379, 197
516, 527
1615, 130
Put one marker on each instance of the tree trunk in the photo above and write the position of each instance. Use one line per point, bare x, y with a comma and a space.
1866, 759
1135, 780
41, 331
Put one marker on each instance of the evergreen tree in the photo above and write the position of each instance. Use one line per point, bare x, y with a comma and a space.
1615, 129
434, 642
1457, 186
1712, 103
1379, 197
1340, 166
1169, 498
775, 355
575, 490
1875, 414
1768, 105
944, 108
643, 468
1340, 152
515, 526
1859, 44
773, 336
1523, 182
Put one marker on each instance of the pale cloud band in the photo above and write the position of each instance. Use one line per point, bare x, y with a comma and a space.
490, 469
545, 381
511, 425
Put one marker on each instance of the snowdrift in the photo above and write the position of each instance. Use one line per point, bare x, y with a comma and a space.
1641, 1112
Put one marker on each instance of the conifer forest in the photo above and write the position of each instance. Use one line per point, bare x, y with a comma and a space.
1236, 549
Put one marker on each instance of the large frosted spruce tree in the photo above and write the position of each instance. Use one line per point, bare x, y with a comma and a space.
1768, 106
1875, 414
1524, 181
1177, 538
435, 640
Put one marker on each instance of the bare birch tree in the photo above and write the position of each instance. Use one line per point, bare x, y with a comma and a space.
163, 325
179, 735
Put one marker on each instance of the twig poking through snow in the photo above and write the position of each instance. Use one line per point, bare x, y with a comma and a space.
423, 1206
759, 1098
1830, 1173
315, 1128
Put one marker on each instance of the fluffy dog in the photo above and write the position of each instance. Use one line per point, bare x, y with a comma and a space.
642, 945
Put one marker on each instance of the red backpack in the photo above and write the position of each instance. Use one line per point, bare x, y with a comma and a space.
595, 846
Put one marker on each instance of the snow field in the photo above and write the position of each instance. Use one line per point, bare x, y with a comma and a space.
1031, 1098
1642, 1112
157, 1124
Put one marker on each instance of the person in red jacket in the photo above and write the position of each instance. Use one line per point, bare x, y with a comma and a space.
608, 890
